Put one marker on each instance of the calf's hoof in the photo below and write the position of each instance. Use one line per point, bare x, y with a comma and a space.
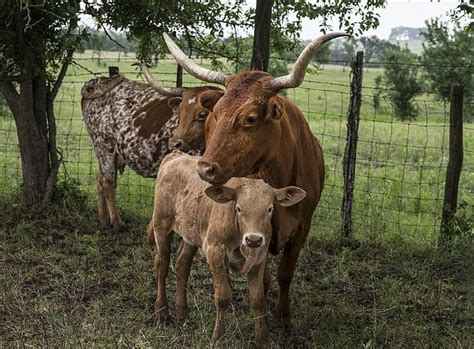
162, 314
262, 339
218, 332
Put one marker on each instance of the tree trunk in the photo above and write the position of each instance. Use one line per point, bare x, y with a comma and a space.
32, 136
261, 36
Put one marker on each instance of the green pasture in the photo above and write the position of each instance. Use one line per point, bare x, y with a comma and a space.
400, 169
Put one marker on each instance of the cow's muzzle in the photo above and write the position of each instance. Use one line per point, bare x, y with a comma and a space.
210, 172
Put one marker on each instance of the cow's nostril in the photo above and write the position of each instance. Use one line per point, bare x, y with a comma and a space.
207, 171
178, 144
210, 169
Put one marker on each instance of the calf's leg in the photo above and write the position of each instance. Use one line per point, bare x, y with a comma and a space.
222, 290
183, 268
163, 239
258, 303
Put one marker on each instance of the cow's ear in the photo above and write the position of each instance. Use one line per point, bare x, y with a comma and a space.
220, 194
289, 196
275, 109
209, 99
174, 102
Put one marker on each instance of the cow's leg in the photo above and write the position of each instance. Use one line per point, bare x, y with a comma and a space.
257, 302
163, 237
108, 188
285, 274
222, 290
183, 268
267, 279
102, 203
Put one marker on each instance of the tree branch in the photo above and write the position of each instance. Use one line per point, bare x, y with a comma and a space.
11, 95
61, 75
112, 39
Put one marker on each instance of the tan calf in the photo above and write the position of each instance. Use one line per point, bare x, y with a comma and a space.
232, 226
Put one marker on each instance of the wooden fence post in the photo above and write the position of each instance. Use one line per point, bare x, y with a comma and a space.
350, 152
113, 71
179, 76
453, 172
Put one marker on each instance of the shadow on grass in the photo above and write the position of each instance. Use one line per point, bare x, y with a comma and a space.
69, 282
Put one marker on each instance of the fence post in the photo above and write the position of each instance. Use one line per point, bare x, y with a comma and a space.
113, 71
350, 152
179, 76
453, 172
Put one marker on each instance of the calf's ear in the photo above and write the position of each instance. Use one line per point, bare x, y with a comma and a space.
209, 98
174, 102
220, 193
289, 196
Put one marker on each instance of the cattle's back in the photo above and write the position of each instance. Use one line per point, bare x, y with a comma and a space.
179, 195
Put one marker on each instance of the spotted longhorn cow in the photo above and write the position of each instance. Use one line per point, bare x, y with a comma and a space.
130, 124
253, 131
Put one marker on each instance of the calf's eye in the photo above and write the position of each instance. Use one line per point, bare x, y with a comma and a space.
238, 209
270, 210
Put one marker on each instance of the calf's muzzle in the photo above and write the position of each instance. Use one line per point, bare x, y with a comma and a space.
253, 240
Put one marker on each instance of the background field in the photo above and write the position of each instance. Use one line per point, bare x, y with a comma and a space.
400, 167
69, 282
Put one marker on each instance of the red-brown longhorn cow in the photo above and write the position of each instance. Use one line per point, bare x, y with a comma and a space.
253, 131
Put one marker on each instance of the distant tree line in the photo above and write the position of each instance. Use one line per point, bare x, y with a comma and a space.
446, 60
112, 41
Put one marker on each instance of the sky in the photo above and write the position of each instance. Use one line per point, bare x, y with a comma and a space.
397, 13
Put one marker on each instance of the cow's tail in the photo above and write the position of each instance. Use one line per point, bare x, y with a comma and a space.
150, 235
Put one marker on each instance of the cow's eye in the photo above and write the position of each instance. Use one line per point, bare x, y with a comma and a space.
202, 115
238, 209
270, 210
250, 120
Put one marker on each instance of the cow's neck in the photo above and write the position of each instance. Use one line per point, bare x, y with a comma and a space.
282, 169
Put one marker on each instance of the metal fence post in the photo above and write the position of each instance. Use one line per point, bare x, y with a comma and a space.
350, 152
113, 71
453, 172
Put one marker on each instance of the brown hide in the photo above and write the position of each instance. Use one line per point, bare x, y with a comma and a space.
192, 116
278, 147
150, 118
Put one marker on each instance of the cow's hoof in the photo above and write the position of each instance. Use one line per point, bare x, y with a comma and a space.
285, 323
119, 227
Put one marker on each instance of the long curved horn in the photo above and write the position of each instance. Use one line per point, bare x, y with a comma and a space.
165, 91
295, 78
191, 67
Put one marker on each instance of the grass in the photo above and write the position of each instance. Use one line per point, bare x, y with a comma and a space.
68, 282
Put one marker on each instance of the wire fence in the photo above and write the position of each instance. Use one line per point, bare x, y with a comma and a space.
400, 169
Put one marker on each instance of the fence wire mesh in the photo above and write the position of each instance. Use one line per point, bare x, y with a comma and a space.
400, 168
